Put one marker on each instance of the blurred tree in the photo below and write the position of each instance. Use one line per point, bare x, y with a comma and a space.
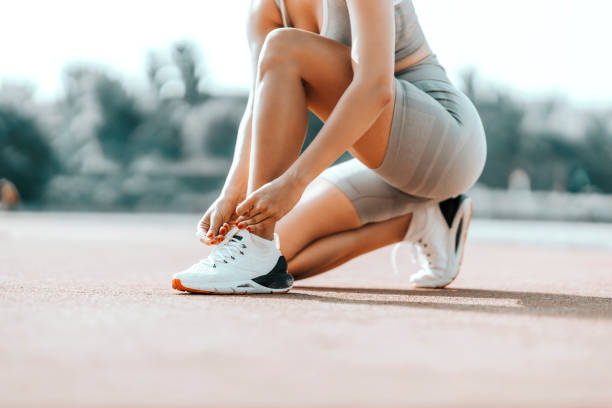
120, 116
548, 158
220, 139
26, 158
160, 131
596, 153
579, 181
501, 119
185, 56
551, 160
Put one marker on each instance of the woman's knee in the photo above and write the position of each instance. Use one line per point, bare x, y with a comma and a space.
279, 50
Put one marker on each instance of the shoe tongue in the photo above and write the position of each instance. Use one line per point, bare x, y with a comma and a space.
262, 243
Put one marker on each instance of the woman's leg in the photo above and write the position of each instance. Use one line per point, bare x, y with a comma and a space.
333, 250
300, 70
324, 231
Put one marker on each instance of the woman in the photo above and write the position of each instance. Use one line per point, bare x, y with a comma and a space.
364, 68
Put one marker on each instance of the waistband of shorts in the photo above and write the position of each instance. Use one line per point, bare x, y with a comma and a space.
427, 68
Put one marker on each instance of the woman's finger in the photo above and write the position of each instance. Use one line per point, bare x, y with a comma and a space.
203, 225
216, 221
253, 220
248, 216
244, 207
259, 226
208, 241
224, 228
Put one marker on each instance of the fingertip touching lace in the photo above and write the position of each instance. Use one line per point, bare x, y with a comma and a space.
225, 251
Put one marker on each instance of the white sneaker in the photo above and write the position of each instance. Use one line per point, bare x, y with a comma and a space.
437, 233
242, 263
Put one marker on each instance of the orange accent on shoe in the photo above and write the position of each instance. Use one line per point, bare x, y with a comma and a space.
221, 239
176, 284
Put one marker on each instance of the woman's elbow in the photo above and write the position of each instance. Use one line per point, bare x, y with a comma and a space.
379, 91
386, 94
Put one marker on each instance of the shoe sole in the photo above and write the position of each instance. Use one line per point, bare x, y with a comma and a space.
232, 289
464, 240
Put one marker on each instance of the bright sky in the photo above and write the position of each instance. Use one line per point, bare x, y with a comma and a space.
537, 46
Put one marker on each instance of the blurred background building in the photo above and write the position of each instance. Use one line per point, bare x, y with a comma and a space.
115, 106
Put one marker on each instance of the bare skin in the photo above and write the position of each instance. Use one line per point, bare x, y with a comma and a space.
273, 188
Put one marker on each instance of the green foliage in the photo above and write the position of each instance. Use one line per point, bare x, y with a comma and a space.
551, 159
158, 132
119, 119
26, 157
221, 139
501, 119
185, 56
596, 154
115, 146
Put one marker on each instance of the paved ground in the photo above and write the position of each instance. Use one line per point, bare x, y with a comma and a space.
88, 319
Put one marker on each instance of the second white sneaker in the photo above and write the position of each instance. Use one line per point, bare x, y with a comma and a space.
437, 233
243, 263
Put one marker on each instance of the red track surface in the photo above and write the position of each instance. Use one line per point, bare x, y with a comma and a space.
88, 319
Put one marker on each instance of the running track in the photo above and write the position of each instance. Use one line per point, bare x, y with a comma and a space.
88, 319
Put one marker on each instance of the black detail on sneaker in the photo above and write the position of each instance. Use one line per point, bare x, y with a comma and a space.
278, 277
458, 235
245, 285
238, 237
450, 207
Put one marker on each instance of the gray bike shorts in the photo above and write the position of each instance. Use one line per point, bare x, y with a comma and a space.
436, 150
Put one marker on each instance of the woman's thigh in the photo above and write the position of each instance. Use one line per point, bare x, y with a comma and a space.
346, 196
373, 198
326, 71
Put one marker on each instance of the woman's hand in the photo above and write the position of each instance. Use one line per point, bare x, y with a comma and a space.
217, 220
269, 203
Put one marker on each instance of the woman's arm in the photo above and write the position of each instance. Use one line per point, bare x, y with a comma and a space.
261, 20
372, 58
263, 17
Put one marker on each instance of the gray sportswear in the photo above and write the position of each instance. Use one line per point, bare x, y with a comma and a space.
437, 146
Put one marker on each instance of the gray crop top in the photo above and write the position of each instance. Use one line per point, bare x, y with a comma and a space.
337, 26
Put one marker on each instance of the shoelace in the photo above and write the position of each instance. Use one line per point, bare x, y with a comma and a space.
417, 256
226, 251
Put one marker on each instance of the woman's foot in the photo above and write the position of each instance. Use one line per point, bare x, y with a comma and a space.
438, 233
243, 263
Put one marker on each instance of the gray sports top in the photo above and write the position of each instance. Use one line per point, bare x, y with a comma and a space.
337, 26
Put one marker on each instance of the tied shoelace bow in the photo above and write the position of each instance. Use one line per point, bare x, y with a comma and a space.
225, 251
417, 256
